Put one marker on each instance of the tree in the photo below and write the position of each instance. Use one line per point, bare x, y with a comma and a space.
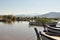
43, 20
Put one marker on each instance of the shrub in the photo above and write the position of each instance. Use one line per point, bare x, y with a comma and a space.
43, 20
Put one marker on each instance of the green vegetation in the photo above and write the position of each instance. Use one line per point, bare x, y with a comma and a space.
43, 20
37, 19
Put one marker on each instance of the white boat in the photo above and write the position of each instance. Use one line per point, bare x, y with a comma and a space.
58, 24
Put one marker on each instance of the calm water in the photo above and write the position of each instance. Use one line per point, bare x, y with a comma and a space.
18, 31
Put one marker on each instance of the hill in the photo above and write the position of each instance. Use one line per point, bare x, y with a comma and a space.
51, 15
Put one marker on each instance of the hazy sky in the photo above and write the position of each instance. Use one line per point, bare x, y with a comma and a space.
29, 6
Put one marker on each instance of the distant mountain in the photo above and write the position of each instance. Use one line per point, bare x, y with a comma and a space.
47, 15
51, 15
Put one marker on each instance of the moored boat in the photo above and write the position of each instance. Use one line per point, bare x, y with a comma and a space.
52, 24
50, 33
42, 36
55, 31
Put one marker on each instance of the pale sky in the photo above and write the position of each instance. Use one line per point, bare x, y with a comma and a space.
29, 6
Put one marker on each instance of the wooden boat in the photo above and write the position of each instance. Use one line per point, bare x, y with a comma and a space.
41, 36
45, 37
49, 32
48, 37
52, 24
55, 31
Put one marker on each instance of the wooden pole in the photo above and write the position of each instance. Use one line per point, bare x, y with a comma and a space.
37, 34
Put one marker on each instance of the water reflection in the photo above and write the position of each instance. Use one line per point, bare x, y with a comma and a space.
9, 22
17, 31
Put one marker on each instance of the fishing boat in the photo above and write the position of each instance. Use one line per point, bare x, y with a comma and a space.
52, 30
42, 36
52, 24
49, 33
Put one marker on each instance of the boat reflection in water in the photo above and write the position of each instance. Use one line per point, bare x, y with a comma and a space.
8, 21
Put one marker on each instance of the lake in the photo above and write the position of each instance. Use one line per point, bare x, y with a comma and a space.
18, 31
